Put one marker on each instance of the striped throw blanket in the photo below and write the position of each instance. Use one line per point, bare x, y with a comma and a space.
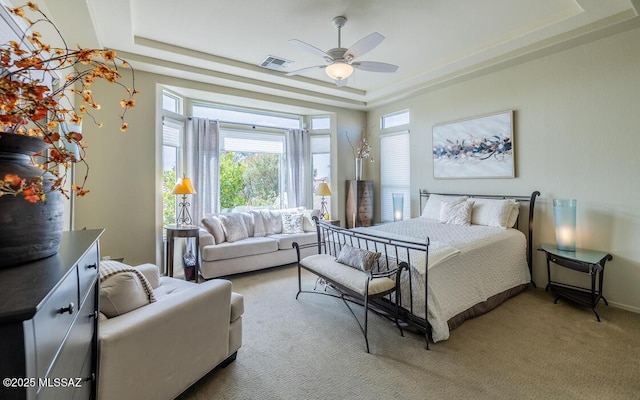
109, 268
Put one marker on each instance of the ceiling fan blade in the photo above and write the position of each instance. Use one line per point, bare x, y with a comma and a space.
363, 46
341, 82
305, 70
374, 66
309, 48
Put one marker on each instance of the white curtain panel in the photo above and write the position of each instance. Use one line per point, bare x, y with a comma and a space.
202, 165
297, 156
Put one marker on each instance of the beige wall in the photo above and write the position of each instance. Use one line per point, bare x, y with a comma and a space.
577, 135
125, 171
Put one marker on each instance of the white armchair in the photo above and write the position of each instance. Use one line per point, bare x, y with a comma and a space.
160, 349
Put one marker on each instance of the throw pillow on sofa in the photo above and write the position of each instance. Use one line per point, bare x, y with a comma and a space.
233, 227
122, 290
212, 224
259, 229
292, 223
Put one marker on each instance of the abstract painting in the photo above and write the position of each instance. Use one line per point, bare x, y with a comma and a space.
477, 147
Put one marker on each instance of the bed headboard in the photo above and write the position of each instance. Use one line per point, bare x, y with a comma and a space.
531, 200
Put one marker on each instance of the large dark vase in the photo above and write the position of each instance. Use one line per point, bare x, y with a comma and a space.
28, 231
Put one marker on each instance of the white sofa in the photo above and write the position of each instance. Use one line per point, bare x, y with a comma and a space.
268, 241
158, 350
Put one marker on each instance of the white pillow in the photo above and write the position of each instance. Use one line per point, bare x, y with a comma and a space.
212, 224
456, 212
492, 212
307, 223
259, 229
234, 228
513, 216
248, 223
432, 208
276, 221
121, 293
292, 223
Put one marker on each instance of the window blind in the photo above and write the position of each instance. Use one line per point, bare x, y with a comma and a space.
395, 173
251, 142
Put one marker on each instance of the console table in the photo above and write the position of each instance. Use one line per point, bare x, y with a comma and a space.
49, 324
582, 260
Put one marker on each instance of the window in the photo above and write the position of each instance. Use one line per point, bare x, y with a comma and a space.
250, 169
321, 166
395, 172
320, 123
171, 103
395, 119
172, 133
246, 116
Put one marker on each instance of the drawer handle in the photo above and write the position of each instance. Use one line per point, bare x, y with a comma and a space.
91, 266
68, 309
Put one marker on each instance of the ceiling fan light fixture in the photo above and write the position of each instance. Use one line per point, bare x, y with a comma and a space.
339, 70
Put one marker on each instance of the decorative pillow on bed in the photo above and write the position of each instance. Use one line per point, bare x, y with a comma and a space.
234, 228
432, 208
292, 223
456, 212
212, 224
496, 213
357, 258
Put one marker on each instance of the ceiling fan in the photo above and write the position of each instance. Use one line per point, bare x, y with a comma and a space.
340, 61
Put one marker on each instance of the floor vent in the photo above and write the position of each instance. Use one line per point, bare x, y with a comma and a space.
275, 63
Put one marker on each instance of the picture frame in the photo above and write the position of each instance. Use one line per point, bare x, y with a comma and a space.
475, 147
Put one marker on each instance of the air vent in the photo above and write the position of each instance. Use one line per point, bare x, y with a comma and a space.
275, 63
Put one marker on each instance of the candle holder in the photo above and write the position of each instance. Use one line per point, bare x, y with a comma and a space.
564, 213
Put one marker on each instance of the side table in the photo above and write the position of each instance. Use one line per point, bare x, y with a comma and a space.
181, 231
582, 260
335, 222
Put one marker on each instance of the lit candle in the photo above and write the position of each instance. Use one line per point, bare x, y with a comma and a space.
354, 220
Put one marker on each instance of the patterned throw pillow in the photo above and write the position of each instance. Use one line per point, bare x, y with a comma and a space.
357, 258
234, 228
292, 223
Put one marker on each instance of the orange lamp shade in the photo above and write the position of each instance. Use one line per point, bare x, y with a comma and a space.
184, 186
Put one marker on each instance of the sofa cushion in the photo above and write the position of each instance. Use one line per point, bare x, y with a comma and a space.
292, 223
234, 227
151, 272
247, 217
246, 247
213, 225
121, 293
285, 241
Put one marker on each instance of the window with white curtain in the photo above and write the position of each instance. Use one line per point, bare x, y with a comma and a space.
321, 166
395, 173
172, 134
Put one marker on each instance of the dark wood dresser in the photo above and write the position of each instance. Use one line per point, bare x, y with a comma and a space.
359, 204
49, 322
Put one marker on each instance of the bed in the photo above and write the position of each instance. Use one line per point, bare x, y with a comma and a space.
471, 269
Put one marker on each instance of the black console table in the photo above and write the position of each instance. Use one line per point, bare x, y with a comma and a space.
49, 324
582, 260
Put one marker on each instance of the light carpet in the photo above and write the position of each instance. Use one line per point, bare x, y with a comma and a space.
528, 348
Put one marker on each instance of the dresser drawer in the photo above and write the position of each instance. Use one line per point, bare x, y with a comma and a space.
88, 270
53, 320
72, 356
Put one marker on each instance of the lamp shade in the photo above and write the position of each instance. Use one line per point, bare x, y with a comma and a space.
184, 186
564, 212
339, 70
323, 189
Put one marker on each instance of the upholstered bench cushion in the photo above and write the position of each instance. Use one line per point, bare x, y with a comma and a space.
351, 278
246, 247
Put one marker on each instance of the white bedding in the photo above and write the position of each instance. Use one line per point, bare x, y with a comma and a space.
467, 265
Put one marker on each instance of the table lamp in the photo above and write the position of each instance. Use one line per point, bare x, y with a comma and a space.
323, 190
398, 206
564, 212
184, 187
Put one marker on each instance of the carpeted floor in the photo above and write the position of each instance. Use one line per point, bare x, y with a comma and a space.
528, 348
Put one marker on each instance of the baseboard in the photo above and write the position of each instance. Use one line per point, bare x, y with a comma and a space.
625, 307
